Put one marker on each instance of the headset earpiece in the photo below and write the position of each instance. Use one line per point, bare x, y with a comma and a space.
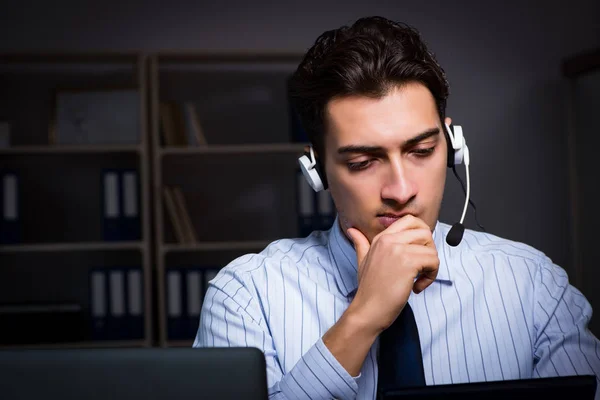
312, 171
457, 146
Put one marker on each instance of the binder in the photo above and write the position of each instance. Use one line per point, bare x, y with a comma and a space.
116, 303
117, 315
10, 222
135, 303
185, 294
111, 199
174, 291
194, 297
130, 217
98, 305
121, 205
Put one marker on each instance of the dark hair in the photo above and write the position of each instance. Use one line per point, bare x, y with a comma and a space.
368, 58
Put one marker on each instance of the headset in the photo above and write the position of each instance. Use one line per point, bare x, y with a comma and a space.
458, 153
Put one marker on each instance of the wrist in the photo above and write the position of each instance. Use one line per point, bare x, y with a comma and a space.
350, 339
360, 322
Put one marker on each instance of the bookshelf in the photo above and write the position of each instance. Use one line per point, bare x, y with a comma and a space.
72, 247
58, 150
59, 181
236, 181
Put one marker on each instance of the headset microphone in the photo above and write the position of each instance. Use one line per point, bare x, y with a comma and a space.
461, 151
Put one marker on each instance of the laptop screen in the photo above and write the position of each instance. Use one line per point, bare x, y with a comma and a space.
125, 374
568, 387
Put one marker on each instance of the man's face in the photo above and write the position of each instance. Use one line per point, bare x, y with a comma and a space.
385, 158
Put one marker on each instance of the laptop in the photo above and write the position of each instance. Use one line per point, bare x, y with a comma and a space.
126, 374
566, 387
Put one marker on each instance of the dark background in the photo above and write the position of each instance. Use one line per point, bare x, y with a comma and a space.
503, 61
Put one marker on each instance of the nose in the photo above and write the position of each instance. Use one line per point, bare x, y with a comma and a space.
398, 186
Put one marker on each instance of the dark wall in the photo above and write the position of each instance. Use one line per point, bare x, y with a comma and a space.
502, 58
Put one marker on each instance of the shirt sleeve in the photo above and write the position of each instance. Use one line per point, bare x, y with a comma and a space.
232, 317
564, 345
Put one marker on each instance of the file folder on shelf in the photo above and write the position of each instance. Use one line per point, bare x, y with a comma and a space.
130, 217
116, 303
10, 220
121, 205
185, 289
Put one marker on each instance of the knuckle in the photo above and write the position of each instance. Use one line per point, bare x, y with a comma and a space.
384, 239
411, 218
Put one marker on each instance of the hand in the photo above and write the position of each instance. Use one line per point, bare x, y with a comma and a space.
387, 269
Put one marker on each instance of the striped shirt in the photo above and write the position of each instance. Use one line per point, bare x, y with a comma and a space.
498, 310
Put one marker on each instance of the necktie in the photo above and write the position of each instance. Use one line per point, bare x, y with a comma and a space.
400, 358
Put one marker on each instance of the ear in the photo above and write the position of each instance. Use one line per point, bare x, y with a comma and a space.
448, 121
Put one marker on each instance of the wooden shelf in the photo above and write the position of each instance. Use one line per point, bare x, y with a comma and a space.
80, 345
216, 246
63, 57
73, 246
239, 56
237, 149
180, 343
76, 149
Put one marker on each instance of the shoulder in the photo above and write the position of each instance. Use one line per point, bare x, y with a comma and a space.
487, 243
486, 249
279, 259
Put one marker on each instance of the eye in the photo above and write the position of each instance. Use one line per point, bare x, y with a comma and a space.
357, 166
422, 153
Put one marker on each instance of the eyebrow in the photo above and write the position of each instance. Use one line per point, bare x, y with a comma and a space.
375, 149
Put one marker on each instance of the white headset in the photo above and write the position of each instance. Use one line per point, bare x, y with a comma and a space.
458, 153
308, 165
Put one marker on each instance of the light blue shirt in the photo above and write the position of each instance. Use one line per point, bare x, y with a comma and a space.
498, 310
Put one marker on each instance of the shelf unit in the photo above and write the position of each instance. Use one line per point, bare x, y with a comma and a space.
27, 149
69, 247
196, 75
58, 150
86, 345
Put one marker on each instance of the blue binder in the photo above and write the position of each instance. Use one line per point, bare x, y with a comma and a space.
121, 204
10, 220
185, 289
130, 206
98, 290
194, 281
133, 322
111, 204
117, 303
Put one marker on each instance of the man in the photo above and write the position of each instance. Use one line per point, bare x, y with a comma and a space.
372, 99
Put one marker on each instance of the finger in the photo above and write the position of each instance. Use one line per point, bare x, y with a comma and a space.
426, 278
407, 222
412, 236
426, 263
361, 244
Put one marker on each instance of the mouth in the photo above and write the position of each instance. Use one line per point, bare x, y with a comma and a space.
389, 218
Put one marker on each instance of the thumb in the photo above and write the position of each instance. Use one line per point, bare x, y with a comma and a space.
361, 244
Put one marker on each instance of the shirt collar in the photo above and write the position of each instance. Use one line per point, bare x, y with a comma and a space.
343, 256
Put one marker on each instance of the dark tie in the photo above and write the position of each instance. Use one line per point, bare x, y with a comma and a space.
400, 358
